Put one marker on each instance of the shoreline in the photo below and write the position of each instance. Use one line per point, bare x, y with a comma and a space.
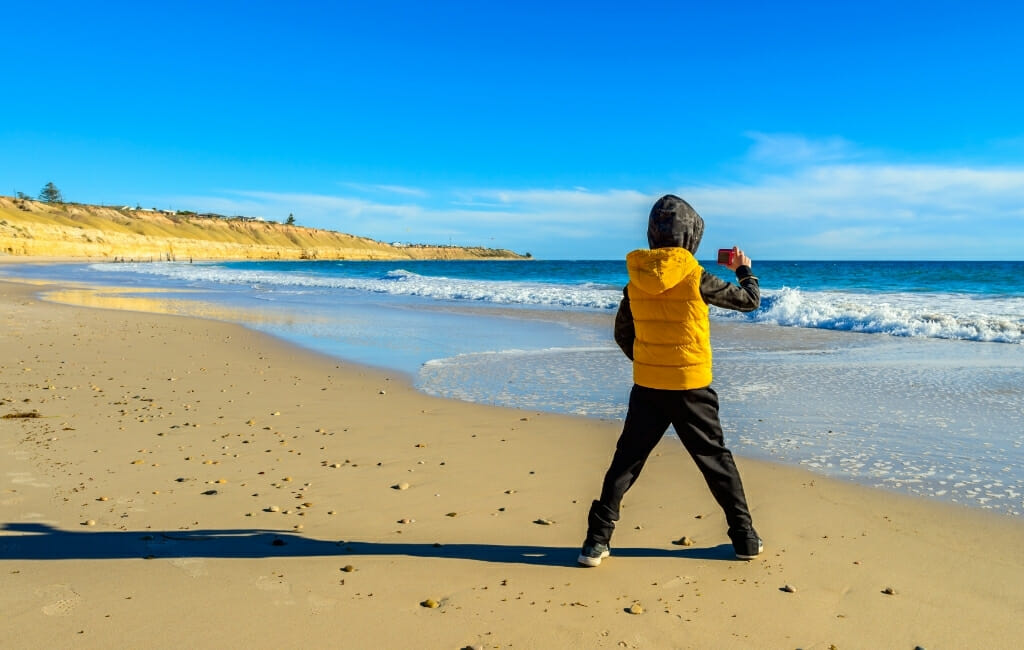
131, 402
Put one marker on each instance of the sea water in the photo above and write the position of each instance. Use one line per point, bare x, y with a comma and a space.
907, 375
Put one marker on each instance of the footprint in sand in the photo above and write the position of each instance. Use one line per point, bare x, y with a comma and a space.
279, 588
320, 604
26, 478
61, 599
194, 567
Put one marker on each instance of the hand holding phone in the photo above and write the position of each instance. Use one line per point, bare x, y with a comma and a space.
733, 258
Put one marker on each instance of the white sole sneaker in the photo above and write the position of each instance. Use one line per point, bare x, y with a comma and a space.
586, 560
760, 549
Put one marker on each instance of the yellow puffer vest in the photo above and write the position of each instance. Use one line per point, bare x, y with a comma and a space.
672, 350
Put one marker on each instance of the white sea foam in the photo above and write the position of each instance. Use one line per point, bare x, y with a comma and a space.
940, 316
926, 315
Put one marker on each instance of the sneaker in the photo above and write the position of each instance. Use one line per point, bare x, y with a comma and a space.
748, 548
592, 554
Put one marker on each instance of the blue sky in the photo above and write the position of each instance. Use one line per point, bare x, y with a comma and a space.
799, 130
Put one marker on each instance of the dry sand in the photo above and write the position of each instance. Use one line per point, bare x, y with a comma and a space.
193, 484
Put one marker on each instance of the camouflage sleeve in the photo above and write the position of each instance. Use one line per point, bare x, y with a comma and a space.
718, 292
625, 331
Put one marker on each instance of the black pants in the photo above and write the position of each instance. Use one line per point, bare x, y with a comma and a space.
694, 414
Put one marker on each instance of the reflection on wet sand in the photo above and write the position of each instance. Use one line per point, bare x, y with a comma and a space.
164, 301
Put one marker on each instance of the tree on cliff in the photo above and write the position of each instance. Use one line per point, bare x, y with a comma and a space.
50, 194
291, 219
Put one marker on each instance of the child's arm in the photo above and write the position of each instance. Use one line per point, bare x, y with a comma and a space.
718, 292
625, 331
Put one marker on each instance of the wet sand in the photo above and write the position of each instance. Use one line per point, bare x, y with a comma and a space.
170, 482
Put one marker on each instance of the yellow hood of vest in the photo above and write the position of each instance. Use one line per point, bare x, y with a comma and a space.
655, 271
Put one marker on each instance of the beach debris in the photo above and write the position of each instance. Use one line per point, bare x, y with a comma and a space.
452, 514
889, 591
209, 493
23, 414
543, 522
789, 589
400, 486
635, 608
348, 568
430, 603
683, 541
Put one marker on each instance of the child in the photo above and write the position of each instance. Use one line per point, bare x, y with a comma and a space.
662, 326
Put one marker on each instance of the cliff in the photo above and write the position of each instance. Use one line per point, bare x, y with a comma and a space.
33, 228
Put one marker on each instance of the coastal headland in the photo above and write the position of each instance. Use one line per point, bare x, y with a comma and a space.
172, 482
72, 230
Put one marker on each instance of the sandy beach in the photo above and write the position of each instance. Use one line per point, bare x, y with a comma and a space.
175, 482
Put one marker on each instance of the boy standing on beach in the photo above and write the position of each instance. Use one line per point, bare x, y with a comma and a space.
662, 326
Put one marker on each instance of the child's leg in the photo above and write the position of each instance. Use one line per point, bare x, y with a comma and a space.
696, 421
646, 423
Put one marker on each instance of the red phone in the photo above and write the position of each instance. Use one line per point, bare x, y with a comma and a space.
726, 256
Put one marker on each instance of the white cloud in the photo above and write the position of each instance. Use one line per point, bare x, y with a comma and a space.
789, 149
828, 200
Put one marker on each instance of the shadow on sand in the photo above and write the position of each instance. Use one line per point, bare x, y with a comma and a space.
44, 542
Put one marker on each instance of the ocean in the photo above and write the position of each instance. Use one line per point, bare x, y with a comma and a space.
902, 375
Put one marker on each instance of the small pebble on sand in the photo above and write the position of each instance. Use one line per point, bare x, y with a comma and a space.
789, 589
889, 591
400, 486
90, 522
636, 608
430, 603
273, 508
406, 520
683, 541
103, 499
543, 522
348, 568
